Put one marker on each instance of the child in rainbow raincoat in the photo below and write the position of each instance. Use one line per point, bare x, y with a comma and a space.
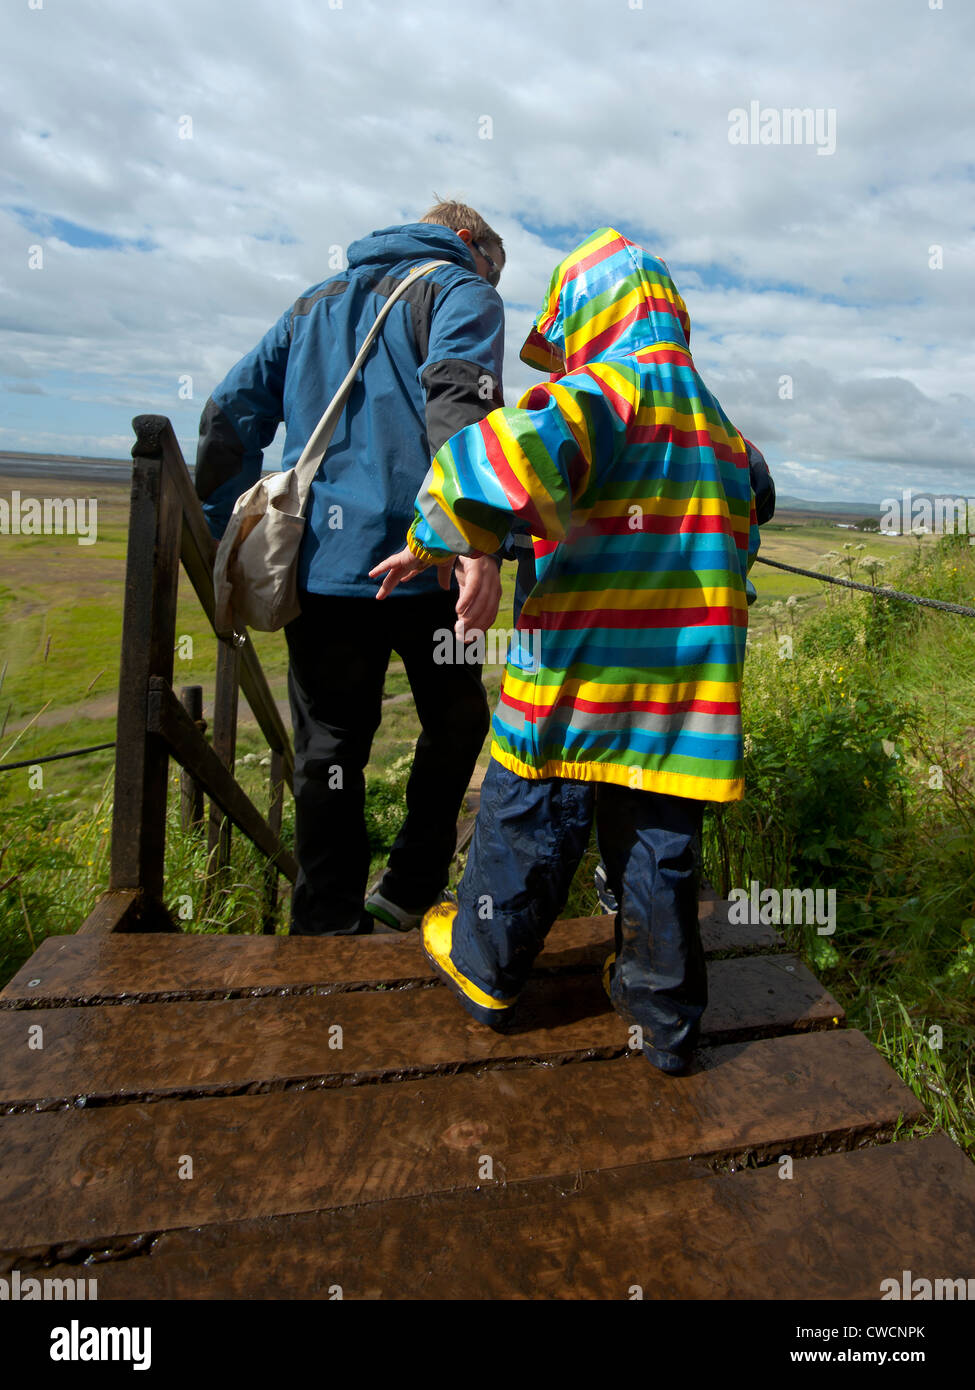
623, 699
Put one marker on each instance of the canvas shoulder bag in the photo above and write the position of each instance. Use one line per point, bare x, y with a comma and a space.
255, 573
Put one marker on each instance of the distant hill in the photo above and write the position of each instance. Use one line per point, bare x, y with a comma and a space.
784, 502
22, 455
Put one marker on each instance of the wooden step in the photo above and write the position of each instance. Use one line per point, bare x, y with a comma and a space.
836, 1229
104, 1054
115, 1171
142, 967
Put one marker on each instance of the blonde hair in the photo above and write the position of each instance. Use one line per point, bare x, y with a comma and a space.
458, 215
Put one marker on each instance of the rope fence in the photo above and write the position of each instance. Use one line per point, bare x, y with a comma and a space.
54, 757
879, 590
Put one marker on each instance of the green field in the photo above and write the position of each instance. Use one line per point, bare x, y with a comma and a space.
61, 619
792, 540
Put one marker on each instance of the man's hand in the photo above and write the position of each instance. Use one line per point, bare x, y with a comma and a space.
404, 566
480, 595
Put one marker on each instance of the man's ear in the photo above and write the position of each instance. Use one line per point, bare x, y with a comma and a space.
466, 235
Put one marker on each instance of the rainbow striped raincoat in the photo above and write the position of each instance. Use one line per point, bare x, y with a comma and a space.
635, 487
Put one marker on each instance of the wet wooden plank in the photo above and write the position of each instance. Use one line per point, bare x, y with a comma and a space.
70, 969
115, 1171
836, 1230
222, 1047
721, 937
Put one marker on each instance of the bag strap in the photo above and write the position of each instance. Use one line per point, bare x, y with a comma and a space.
314, 451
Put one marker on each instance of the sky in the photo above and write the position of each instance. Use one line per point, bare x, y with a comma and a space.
175, 175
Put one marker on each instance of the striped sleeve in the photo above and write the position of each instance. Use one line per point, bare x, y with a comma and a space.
537, 463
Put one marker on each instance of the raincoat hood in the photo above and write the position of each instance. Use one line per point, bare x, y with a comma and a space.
608, 298
392, 245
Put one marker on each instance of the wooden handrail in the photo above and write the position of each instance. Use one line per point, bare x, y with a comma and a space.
166, 527
167, 718
154, 435
148, 641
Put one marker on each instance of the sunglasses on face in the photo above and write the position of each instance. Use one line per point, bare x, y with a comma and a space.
495, 273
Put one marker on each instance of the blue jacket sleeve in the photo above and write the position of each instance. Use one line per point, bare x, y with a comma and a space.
461, 374
754, 543
763, 508
239, 421
461, 371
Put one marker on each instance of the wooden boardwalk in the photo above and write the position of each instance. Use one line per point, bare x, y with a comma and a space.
264, 1117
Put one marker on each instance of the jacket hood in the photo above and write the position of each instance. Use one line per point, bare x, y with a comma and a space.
392, 245
608, 298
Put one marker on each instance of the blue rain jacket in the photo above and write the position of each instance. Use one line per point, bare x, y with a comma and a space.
435, 368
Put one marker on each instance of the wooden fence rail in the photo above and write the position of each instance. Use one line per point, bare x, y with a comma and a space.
166, 527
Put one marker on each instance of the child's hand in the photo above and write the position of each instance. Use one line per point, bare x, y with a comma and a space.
404, 566
479, 597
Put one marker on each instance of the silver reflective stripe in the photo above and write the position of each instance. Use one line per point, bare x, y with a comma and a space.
448, 536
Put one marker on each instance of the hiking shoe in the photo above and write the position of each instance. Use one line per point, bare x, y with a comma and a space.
437, 936
385, 910
607, 900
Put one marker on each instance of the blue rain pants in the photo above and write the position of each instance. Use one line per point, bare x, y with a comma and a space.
528, 840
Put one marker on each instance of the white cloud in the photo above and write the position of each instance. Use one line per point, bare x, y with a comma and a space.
312, 125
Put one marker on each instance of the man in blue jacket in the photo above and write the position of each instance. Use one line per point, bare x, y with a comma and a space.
435, 368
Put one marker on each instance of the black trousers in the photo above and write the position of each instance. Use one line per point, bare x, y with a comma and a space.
339, 650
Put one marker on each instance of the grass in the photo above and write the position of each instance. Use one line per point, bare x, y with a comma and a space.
859, 769
61, 619
55, 850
